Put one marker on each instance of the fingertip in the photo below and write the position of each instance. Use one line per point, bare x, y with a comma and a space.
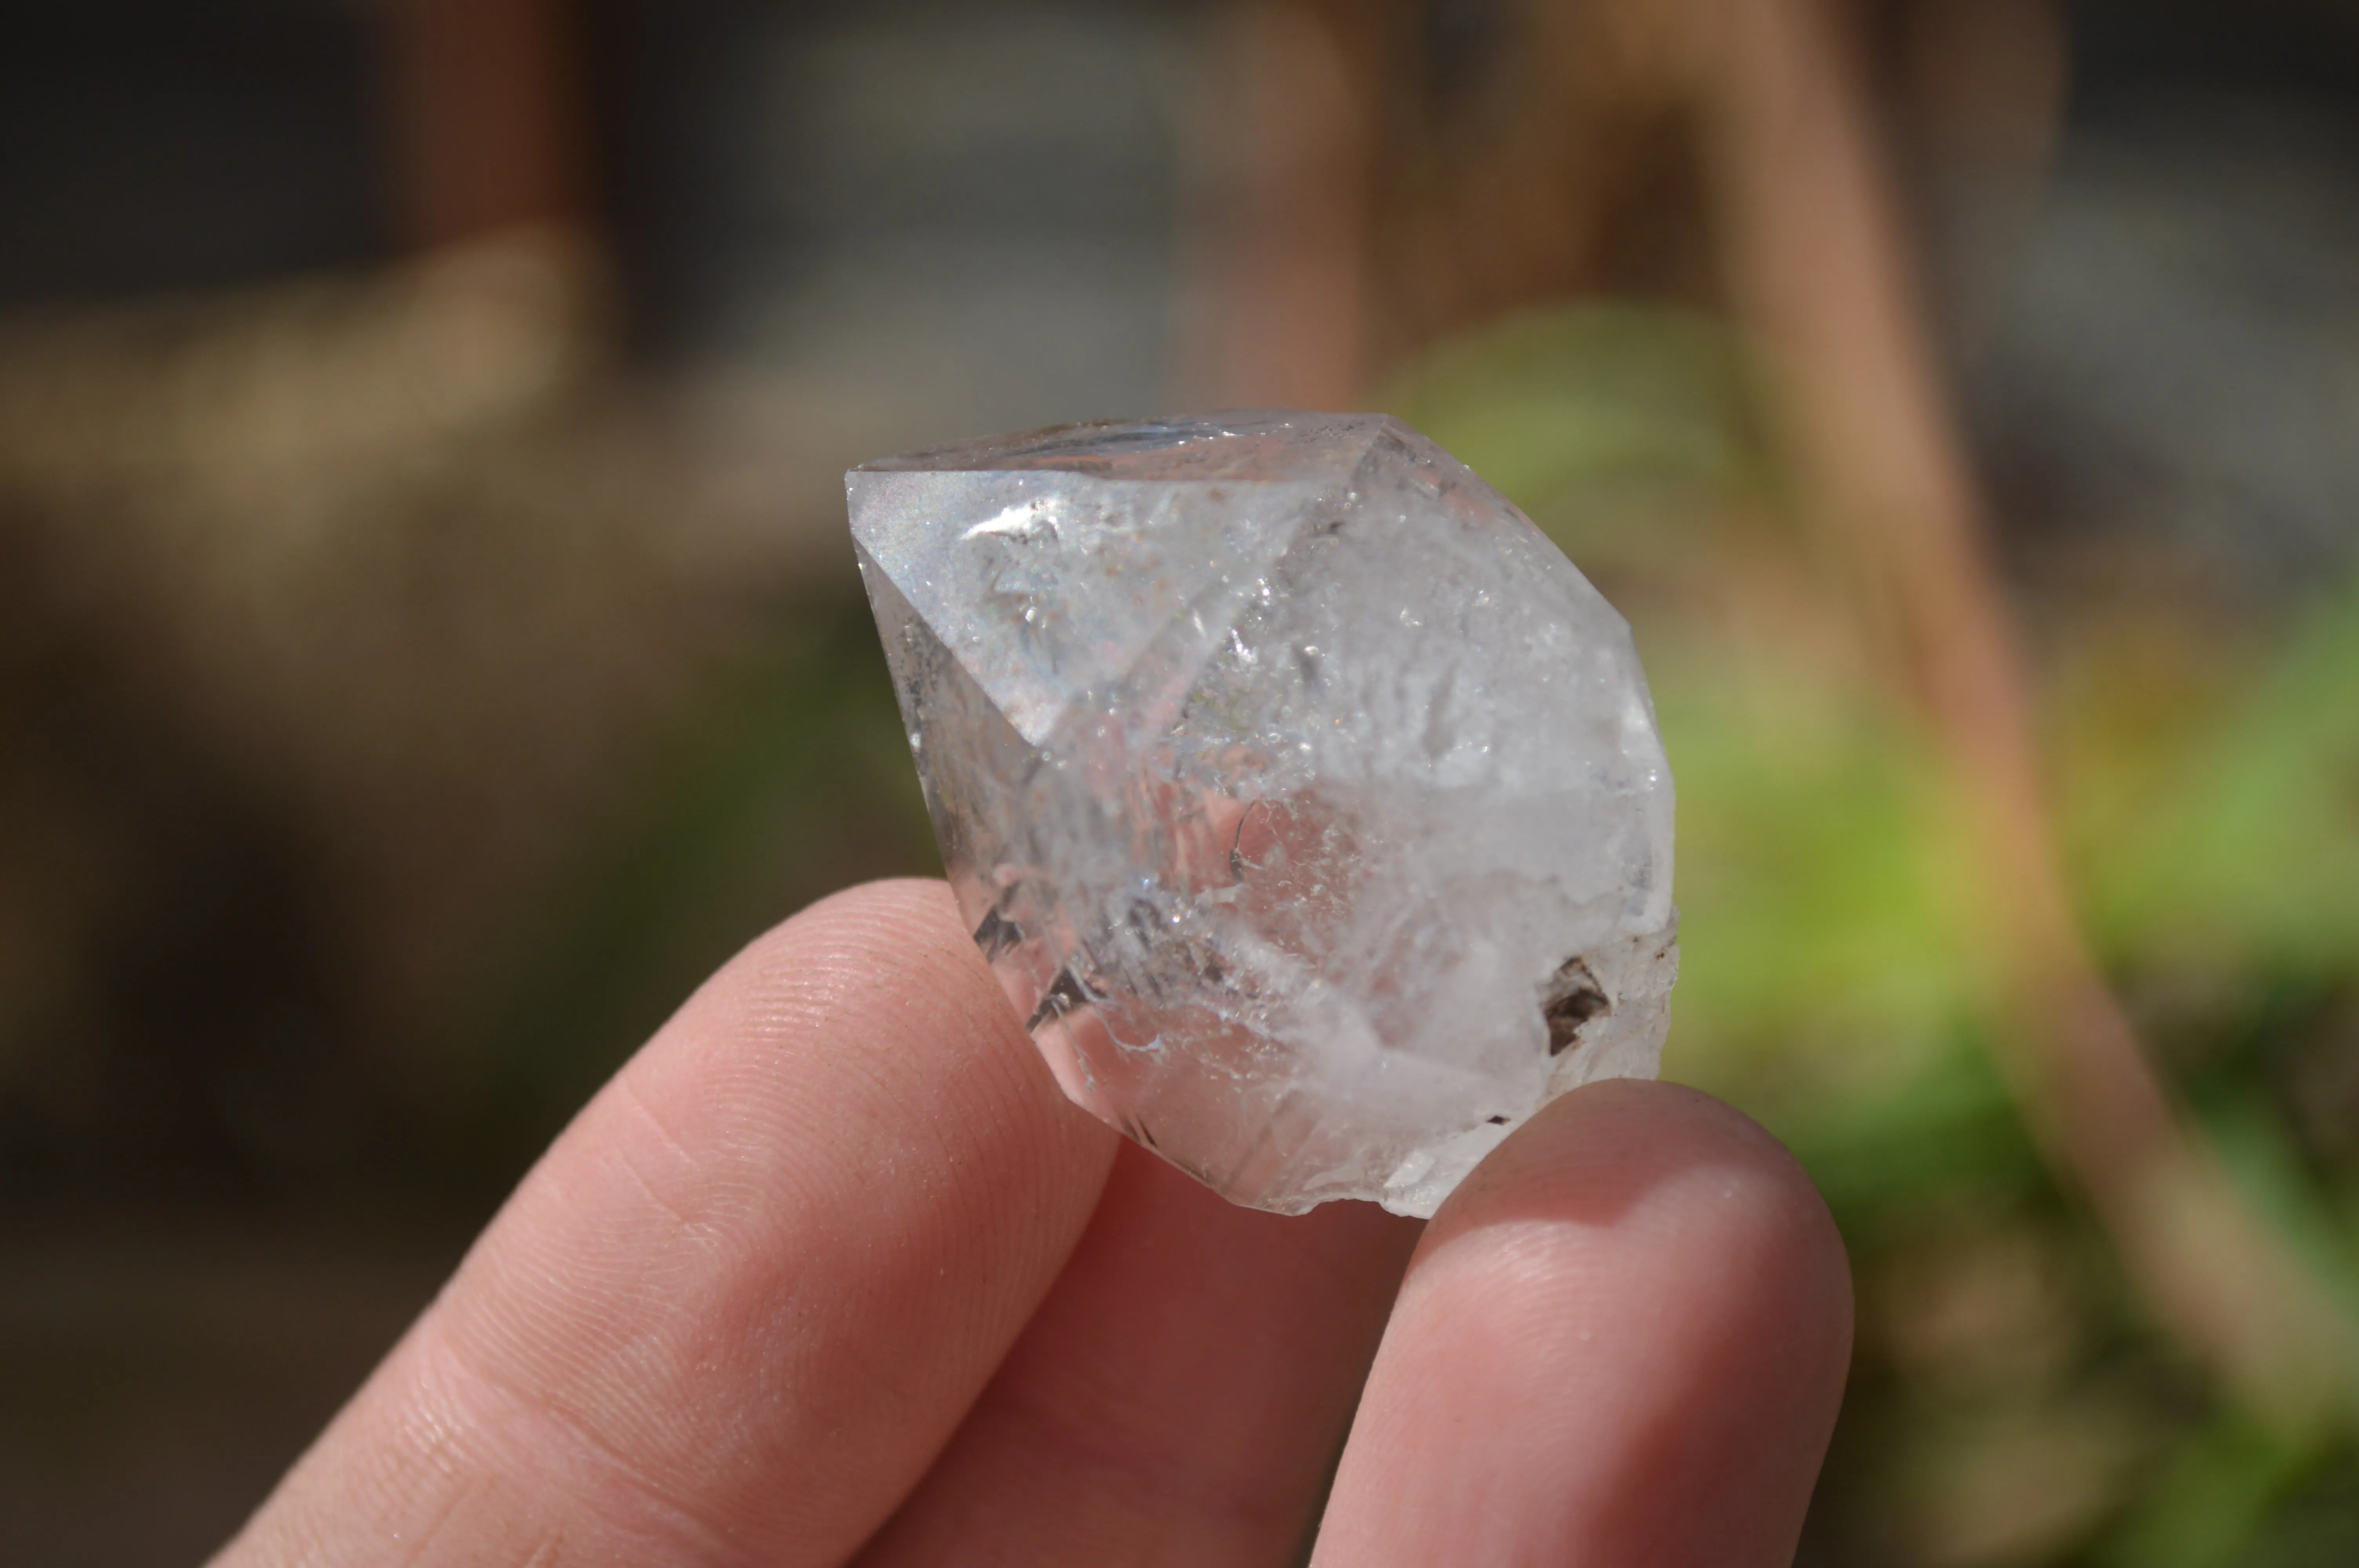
1608, 1148
1624, 1339
938, 1045
899, 941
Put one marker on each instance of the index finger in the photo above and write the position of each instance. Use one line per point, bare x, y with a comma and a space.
739, 1306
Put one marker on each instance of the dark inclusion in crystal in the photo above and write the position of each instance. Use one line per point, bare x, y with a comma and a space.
1306, 800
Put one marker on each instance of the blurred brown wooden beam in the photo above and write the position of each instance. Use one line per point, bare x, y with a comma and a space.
487, 126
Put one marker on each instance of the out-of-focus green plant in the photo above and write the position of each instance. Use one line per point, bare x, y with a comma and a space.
1601, 422
2224, 832
2208, 800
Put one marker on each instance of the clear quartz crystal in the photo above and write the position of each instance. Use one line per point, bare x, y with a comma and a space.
1306, 802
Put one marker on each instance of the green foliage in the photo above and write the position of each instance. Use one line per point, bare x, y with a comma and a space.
2223, 1498
1598, 421
2244, 850
2209, 810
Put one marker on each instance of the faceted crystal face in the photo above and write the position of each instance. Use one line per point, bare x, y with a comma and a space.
1306, 800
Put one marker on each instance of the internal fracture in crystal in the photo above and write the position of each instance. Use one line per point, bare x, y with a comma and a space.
1306, 800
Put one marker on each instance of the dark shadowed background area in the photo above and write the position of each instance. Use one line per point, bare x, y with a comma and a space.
429, 643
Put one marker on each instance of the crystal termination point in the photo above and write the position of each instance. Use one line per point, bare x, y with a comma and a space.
1306, 801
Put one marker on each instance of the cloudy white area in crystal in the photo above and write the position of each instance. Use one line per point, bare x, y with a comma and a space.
1306, 800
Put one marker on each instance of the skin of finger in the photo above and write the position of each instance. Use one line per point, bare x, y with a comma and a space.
739, 1307
1181, 1395
1624, 1341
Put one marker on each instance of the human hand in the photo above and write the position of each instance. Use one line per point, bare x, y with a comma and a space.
831, 1273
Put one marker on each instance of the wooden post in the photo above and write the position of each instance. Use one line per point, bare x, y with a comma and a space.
488, 129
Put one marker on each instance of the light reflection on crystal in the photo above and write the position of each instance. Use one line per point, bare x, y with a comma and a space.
1306, 800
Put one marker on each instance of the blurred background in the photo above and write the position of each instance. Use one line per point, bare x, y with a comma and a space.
429, 643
